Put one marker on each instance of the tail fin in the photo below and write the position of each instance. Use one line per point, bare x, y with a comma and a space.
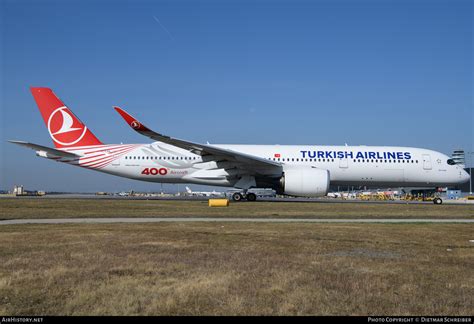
64, 127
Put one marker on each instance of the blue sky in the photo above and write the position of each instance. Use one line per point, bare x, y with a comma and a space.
266, 72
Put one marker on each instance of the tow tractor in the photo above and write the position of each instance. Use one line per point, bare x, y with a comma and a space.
433, 195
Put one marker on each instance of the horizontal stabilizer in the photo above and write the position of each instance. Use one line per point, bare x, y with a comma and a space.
50, 151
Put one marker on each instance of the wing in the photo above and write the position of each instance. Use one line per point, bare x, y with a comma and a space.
246, 161
48, 150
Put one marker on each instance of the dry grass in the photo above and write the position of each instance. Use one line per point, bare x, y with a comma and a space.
245, 269
73, 208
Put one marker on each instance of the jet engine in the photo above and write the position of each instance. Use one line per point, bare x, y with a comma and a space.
305, 182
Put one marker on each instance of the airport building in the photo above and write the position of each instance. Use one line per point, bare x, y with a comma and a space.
18, 190
468, 186
459, 156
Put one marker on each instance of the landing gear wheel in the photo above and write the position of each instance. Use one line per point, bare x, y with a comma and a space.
251, 196
237, 196
437, 201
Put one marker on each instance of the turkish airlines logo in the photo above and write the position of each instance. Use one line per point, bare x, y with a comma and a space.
60, 127
135, 124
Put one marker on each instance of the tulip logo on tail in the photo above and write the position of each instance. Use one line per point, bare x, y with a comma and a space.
64, 128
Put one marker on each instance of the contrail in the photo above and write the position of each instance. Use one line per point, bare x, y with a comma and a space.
164, 28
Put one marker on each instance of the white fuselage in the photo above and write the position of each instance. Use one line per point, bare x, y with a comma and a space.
371, 166
296, 170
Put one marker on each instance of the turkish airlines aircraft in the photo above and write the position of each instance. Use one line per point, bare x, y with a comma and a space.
204, 193
296, 170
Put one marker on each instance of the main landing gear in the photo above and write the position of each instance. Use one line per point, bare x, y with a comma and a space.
238, 196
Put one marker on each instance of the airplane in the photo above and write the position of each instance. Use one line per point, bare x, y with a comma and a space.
204, 193
294, 170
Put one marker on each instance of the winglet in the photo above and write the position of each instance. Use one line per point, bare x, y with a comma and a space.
131, 121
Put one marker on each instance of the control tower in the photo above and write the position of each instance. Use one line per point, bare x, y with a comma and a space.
459, 157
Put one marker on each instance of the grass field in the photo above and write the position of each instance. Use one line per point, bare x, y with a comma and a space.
245, 269
234, 268
69, 208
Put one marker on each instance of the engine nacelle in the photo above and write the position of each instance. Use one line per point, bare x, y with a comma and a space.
305, 182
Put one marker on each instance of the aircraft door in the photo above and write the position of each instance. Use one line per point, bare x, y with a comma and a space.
426, 162
343, 163
116, 162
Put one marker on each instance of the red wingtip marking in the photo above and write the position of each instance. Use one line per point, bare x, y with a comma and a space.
131, 121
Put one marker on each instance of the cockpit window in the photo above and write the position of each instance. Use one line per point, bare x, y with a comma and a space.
451, 162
